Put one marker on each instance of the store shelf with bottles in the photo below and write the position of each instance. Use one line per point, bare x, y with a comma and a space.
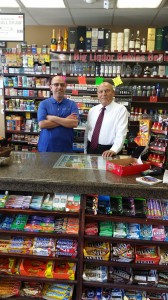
158, 142
129, 65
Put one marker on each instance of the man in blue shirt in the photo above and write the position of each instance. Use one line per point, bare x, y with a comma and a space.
57, 116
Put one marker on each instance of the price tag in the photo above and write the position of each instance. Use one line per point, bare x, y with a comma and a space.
74, 92
153, 99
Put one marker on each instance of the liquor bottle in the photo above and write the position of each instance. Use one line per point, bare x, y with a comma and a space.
59, 42
132, 43
143, 45
137, 42
65, 42
53, 46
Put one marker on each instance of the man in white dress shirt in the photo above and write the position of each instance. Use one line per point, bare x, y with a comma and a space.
114, 125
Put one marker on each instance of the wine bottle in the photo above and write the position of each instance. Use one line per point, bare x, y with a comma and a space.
65, 42
132, 43
59, 42
53, 46
137, 42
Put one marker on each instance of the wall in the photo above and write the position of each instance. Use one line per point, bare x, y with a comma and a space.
41, 35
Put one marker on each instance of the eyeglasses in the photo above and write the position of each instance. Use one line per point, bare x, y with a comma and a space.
57, 84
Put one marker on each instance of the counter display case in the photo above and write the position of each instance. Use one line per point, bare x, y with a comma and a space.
35, 172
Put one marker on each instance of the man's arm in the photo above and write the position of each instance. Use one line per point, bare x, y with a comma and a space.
70, 121
46, 124
121, 132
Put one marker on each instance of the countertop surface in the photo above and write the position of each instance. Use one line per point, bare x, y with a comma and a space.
36, 171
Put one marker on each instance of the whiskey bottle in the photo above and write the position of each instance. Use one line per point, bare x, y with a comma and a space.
132, 43
53, 46
143, 45
137, 42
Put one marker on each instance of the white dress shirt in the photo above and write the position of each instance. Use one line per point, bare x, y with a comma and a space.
114, 126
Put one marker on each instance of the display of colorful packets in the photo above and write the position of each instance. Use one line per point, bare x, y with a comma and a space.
66, 247
31, 289
92, 272
43, 246
147, 254
9, 287
19, 222
40, 224
3, 199
122, 252
18, 201
21, 245
96, 250
164, 208
154, 209
105, 228
57, 291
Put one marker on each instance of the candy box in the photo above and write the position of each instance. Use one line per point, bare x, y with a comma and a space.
147, 254
36, 268
64, 270
126, 166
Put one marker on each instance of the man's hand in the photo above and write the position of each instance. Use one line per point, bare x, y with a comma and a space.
108, 153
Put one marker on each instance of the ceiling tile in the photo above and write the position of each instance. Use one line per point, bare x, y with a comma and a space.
91, 17
137, 17
57, 17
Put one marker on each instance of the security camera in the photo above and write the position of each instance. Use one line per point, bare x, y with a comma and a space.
106, 4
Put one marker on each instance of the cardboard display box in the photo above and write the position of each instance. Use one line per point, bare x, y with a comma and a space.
127, 166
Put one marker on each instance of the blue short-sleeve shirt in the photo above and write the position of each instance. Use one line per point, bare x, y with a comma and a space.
58, 139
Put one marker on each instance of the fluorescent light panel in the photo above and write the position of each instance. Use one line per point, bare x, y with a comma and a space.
8, 3
138, 3
43, 4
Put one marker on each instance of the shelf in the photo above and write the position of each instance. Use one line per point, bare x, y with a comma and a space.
37, 279
37, 257
22, 132
126, 264
124, 240
137, 287
146, 99
126, 219
24, 97
25, 74
39, 234
20, 111
28, 88
39, 212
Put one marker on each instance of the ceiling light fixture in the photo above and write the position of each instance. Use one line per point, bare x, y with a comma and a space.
90, 1
138, 3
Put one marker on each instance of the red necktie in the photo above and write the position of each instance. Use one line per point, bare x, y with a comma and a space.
95, 135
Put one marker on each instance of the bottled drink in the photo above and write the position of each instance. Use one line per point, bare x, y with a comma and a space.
53, 46
137, 42
65, 43
132, 43
59, 42
143, 45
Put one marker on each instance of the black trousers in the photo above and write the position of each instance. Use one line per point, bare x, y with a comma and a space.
99, 150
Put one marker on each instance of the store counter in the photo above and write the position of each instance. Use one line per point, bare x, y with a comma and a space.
48, 172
